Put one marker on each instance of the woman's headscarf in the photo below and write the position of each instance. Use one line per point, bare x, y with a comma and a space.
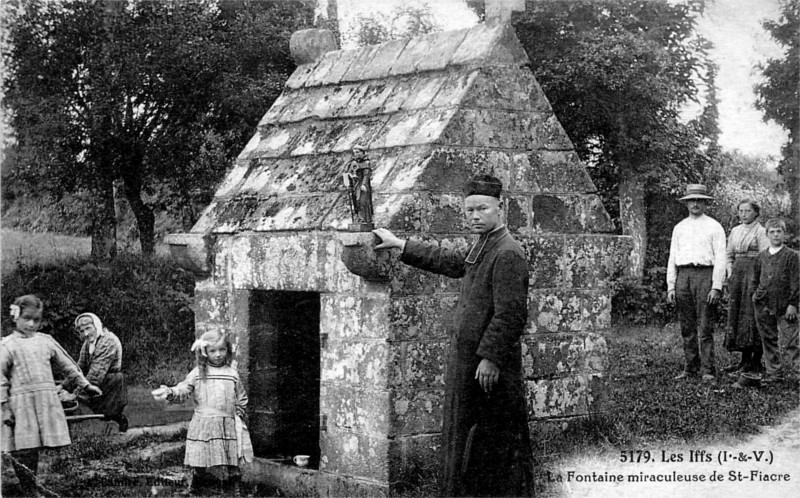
98, 325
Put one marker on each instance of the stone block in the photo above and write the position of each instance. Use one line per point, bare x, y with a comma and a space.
499, 87
405, 166
447, 169
454, 88
313, 139
301, 74
285, 102
557, 172
368, 98
332, 101
522, 175
211, 305
422, 364
231, 214
597, 310
351, 453
305, 104
551, 310
423, 92
383, 59
518, 213
234, 178
276, 262
406, 280
274, 141
350, 317
400, 212
365, 56
278, 213
552, 214
349, 408
445, 214
301, 175
590, 213
490, 45
416, 411
562, 397
362, 131
421, 317
487, 128
545, 260
325, 65
336, 74
413, 52
536, 97
441, 50
548, 134
548, 356
397, 99
413, 128
595, 261
356, 363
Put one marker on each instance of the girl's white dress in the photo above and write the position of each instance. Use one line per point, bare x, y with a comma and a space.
27, 384
220, 399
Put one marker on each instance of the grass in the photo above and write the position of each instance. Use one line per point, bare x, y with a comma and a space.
22, 248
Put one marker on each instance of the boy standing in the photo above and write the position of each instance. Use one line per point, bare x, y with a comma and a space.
777, 297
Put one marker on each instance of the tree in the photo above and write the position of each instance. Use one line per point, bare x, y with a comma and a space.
617, 73
778, 98
403, 21
157, 96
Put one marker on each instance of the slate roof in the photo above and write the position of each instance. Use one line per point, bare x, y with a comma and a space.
465, 93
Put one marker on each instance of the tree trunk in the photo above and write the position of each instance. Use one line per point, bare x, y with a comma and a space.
104, 223
632, 217
792, 179
145, 219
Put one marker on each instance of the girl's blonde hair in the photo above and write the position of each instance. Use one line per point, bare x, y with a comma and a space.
212, 338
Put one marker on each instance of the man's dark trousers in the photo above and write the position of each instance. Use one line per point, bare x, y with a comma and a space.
692, 286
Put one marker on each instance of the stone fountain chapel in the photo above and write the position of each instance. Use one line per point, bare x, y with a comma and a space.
342, 349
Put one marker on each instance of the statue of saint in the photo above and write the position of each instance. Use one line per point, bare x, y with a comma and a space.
357, 179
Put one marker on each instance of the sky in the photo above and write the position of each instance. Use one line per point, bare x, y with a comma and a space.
734, 26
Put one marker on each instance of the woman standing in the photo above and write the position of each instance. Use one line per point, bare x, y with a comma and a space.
744, 243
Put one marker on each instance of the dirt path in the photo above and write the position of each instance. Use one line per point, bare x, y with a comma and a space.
765, 465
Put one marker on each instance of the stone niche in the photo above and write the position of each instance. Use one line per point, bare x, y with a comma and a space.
347, 366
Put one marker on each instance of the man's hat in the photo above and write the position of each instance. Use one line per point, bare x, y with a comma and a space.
483, 185
696, 191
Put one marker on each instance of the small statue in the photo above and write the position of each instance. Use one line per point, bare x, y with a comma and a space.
357, 180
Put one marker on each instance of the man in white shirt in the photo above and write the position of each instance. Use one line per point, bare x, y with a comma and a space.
695, 273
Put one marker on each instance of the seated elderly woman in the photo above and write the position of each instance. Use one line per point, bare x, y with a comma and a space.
100, 361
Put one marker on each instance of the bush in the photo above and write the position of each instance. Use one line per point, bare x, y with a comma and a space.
645, 302
145, 301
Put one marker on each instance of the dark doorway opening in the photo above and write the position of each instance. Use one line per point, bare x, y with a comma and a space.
284, 374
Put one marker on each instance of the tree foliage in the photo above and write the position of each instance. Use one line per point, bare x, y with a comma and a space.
779, 98
406, 20
155, 96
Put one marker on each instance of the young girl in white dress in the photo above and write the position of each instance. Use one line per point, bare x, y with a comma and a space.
217, 439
